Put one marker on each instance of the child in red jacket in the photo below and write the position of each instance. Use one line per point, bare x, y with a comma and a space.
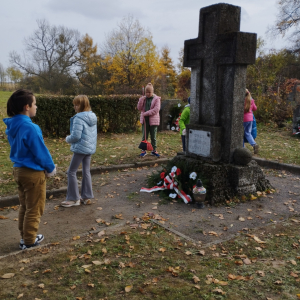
149, 106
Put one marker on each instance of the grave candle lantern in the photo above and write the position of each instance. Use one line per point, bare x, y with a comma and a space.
199, 193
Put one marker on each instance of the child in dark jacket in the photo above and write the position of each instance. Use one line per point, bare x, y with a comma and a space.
32, 164
149, 106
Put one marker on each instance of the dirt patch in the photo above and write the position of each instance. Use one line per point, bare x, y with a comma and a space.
118, 200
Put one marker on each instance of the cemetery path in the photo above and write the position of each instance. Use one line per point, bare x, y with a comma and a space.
118, 193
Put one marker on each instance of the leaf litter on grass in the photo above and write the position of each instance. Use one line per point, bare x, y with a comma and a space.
130, 259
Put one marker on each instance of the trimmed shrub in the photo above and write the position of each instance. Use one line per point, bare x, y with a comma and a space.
116, 113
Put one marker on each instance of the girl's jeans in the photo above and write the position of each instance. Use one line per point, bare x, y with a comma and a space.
247, 133
86, 185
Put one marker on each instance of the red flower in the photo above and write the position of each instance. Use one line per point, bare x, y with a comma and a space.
178, 171
162, 175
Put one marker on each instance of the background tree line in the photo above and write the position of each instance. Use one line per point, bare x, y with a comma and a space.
60, 60
276, 73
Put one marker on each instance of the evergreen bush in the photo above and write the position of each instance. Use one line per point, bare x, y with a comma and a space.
115, 113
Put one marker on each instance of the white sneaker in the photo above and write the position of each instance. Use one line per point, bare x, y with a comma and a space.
70, 203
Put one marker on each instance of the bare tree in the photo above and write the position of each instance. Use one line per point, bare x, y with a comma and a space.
51, 53
126, 37
287, 20
133, 54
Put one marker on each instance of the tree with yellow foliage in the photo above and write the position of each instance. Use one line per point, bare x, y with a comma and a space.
131, 56
184, 78
93, 69
166, 79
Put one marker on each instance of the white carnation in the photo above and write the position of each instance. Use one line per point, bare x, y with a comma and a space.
174, 195
193, 175
174, 169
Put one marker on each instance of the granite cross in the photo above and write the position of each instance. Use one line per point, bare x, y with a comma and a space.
219, 59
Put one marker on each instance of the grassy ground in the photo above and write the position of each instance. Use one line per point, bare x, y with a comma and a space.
3, 100
111, 149
278, 143
275, 144
148, 262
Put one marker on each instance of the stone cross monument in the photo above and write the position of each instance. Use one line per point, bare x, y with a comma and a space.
218, 59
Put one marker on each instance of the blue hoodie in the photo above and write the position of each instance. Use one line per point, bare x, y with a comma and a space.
27, 145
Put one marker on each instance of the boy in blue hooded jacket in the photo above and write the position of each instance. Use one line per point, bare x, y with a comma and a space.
32, 164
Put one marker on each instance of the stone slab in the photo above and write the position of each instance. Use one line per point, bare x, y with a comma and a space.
225, 181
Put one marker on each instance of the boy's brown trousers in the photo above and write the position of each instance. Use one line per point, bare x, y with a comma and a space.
32, 196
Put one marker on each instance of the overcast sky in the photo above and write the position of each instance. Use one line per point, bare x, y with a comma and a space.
170, 21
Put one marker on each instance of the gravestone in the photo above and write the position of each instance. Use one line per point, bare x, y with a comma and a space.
294, 99
164, 113
296, 119
218, 59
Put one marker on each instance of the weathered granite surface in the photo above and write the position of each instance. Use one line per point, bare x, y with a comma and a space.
219, 59
225, 181
242, 156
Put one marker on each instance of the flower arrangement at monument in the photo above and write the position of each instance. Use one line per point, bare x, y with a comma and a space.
175, 125
173, 182
174, 117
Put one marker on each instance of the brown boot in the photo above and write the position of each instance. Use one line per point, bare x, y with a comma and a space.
255, 147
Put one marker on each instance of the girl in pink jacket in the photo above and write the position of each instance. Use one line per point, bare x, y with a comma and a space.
149, 106
249, 107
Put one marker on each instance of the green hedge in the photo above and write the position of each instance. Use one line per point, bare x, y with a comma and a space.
117, 113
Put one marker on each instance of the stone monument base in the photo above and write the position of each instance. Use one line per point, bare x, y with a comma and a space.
225, 181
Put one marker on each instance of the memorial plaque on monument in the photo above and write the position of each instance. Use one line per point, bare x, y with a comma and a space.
219, 59
199, 142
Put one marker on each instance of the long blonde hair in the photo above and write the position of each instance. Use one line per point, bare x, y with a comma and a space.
83, 102
247, 103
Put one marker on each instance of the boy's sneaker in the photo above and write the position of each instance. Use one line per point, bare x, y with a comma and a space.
144, 153
255, 147
70, 203
38, 239
24, 247
155, 153
86, 201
